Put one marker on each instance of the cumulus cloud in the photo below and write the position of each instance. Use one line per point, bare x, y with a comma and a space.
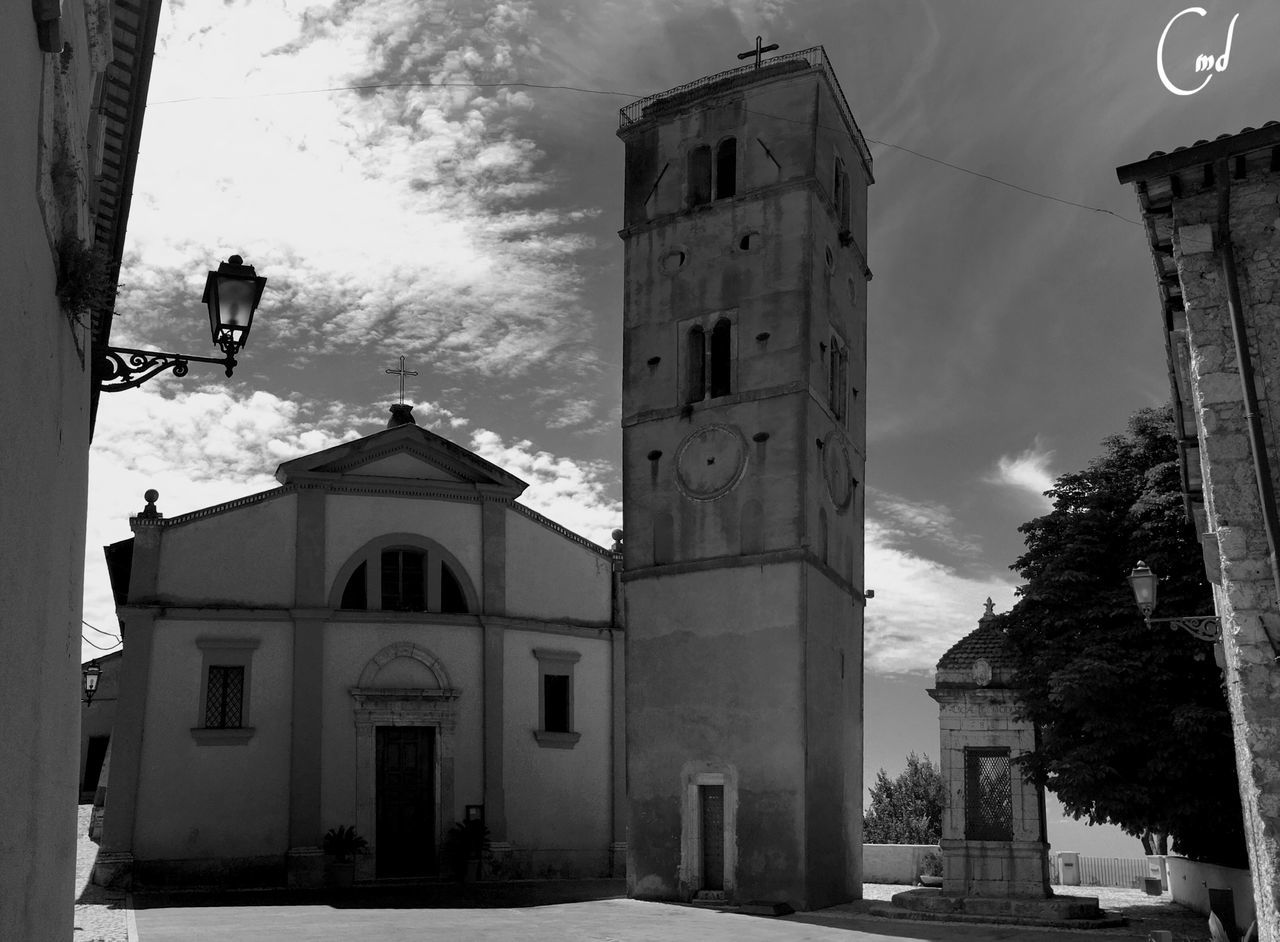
929, 579
420, 213
1026, 473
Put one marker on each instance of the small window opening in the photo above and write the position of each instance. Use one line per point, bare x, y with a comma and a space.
720, 358
555, 703
726, 168
748, 241
699, 176
696, 366
356, 595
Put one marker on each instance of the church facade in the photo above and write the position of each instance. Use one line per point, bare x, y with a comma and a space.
389, 640
744, 443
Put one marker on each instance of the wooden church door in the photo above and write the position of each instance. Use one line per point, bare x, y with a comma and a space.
405, 801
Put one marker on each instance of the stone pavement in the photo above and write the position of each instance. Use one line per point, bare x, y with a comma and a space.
100, 915
525, 913
552, 911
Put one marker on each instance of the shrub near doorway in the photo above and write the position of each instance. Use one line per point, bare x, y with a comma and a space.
341, 845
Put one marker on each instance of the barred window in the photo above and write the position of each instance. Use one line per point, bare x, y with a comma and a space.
225, 697
988, 791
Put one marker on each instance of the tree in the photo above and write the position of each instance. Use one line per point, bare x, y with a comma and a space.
907, 809
1133, 727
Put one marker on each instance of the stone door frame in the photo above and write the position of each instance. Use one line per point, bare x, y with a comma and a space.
375, 706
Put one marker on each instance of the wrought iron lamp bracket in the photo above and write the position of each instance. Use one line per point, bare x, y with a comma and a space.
121, 368
1202, 627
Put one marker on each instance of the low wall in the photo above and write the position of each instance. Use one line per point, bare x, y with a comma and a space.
894, 863
1190, 882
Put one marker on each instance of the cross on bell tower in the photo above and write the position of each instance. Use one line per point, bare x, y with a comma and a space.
758, 50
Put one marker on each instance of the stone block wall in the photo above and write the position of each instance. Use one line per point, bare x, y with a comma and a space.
1245, 589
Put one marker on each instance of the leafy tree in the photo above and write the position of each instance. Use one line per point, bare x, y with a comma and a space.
907, 809
1133, 721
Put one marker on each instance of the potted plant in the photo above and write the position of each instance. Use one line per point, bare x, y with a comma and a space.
931, 870
341, 846
465, 842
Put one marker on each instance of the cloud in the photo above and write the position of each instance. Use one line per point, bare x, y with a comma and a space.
921, 607
902, 522
424, 214
1027, 473
574, 493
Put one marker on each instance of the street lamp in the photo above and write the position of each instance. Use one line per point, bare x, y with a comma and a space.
232, 294
90, 674
1145, 584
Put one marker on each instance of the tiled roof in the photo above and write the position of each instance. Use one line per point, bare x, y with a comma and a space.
987, 643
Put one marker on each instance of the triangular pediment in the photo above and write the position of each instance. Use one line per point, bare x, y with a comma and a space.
402, 455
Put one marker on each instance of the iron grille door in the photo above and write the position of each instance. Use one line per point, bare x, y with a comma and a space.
988, 795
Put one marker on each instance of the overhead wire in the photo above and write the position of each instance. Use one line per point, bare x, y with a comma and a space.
621, 94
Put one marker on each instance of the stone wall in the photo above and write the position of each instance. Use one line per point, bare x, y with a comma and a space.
1244, 592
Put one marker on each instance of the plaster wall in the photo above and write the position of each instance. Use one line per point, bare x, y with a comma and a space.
348, 647
894, 863
44, 424
197, 800
1191, 880
722, 668
242, 557
542, 567
351, 521
559, 801
1245, 593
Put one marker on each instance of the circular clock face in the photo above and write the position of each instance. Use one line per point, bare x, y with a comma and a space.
835, 468
710, 461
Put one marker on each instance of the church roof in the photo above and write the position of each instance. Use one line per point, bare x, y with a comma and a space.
407, 452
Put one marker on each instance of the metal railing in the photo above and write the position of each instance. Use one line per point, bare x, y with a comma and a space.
815, 57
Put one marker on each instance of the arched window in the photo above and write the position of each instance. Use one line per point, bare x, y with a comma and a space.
721, 358
726, 168
404, 573
700, 176
695, 386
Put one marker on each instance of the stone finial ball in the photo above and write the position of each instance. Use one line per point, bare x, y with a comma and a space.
151, 495
617, 536
235, 260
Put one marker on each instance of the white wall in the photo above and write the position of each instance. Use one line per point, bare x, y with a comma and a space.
243, 556
1190, 882
200, 801
550, 576
894, 863
558, 799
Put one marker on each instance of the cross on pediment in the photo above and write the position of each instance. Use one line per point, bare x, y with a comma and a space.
402, 373
758, 51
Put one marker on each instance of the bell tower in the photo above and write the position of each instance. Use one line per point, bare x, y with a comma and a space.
744, 441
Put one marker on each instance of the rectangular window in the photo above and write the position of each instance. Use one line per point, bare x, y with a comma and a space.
555, 700
404, 581
225, 714
988, 793
224, 699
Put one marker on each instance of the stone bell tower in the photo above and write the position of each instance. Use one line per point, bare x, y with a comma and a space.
744, 440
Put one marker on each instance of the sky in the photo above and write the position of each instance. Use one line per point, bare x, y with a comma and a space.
403, 176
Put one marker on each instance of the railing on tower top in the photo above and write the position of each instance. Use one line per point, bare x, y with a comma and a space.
815, 57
